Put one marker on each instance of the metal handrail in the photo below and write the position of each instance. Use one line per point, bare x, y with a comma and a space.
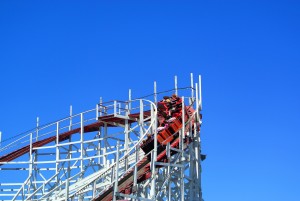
134, 147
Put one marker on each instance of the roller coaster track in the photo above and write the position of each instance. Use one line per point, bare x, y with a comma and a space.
64, 136
107, 164
126, 182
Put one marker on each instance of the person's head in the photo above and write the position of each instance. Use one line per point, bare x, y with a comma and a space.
174, 96
166, 98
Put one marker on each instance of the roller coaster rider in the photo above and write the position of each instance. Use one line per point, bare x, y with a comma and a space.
169, 108
176, 105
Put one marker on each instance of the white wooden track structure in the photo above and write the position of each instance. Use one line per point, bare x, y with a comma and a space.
105, 154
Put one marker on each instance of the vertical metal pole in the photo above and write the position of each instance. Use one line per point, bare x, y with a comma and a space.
67, 190
193, 151
30, 174
198, 151
155, 93
71, 116
155, 132
115, 108
100, 142
81, 150
57, 151
182, 136
100, 113
105, 146
116, 172
135, 184
197, 105
126, 137
81, 141
192, 183
37, 128
97, 112
36, 154
200, 92
128, 125
196, 147
154, 155
176, 88
129, 98
183, 123
99, 147
169, 172
192, 86
30, 155
141, 118
70, 152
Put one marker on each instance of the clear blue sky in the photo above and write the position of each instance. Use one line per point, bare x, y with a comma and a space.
57, 53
